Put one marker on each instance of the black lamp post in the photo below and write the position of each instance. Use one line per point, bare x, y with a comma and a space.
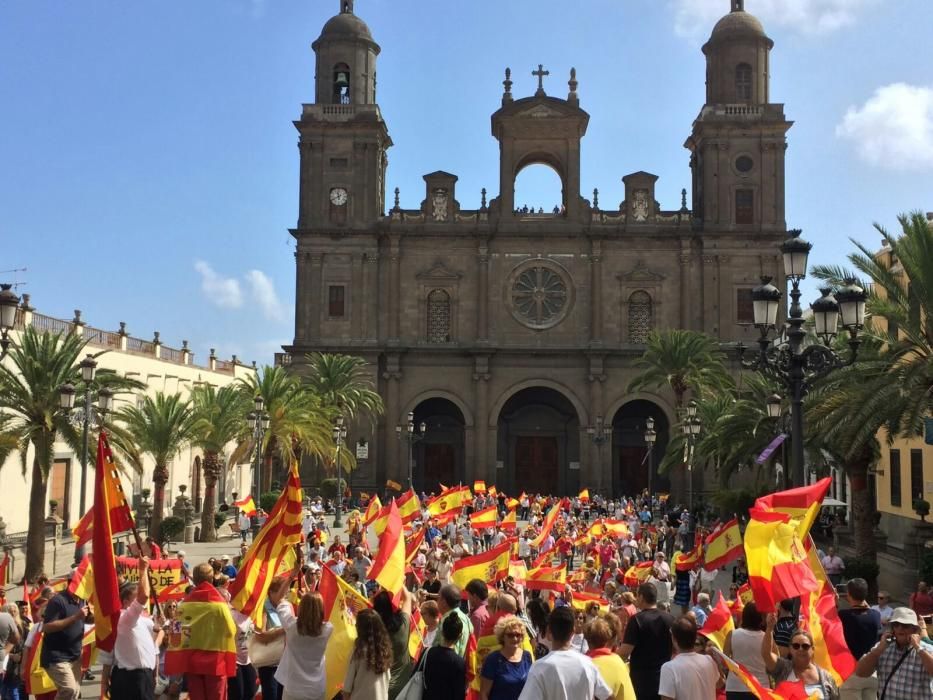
408, 432
9, 302
258, 421
650, 437
787, 359
340, 436
691, 430
600, 433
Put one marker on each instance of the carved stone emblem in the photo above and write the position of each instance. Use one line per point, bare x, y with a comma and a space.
439, 204
640, 206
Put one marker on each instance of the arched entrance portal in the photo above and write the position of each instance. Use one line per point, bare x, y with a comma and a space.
439, 456
538, 443
629, 451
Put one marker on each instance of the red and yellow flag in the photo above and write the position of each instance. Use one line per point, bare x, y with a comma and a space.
802, 503
777, 561
491, 491
518, 571
688, 562
247, 505
4, 570
270, 547
416, 634
723, 546
204, 641
409, 507
388, 568
637, 574
510, 521
450, 499
121, 519
754, 685
488, 566
341, 604
511, 503
484, 518
614, 528
413, 544
718, 623
372, 510
479, 486
550, 578
547, 526
394, 485
584, 495
106, 592
581, 601
821, 618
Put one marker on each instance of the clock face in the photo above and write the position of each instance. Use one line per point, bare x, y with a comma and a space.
338, 196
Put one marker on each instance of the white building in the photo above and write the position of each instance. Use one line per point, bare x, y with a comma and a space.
160, 368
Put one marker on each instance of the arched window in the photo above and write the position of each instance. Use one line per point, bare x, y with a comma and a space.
438, 316
341, 84
640, 318
743, 81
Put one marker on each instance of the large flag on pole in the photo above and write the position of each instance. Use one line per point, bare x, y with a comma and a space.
488, 566
121, 519
723, 546
409, 507
388, 569
341, 604
546, 526
246, 505
372, 510
802, 503
777, 561
264, 557
719, 623
107, 496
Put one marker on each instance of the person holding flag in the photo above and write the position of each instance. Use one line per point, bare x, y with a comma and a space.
134, 652
800, 668
301, 669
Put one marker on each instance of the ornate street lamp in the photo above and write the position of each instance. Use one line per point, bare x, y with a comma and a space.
600, 434
787, 359
650, 438
9, 303
258, 421
407, 431
340, 437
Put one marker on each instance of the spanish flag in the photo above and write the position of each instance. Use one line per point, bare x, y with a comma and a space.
752, 683
388, 569
416, 634
746, 594
491, 491
584, 495
777, 562
394, 485
413, 543
718, 624
821, 618
484, 518
509, 522
106, 597
449, 500
802, 503
488, 566
372, 510
4, 571
409, 507
205, 643
270, 547
511, 503
550, 578
637, 574
341, 604
581, 601
547, 526
723, 546
247, 505
614, 528
688, 562
121, 519
479, 486
518, 571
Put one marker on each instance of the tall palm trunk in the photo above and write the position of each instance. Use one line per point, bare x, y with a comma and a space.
159, 479
863, 522
35, 538
210, 469
679, 475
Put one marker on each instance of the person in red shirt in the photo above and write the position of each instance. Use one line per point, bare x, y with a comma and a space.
337, 546
565, 547
922, 600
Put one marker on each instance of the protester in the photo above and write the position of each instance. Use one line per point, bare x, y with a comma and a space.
921, 601
243, 523
301, 670
861, 627
884, 607
647, 643
448, 602
477, 593
903, 662
135, 651
397, 621
432, 617
800, 667
563, 673
505, 670
689, 675
785, 626
834, 566
242, 685
368, 673
613, 670
12, 637
63, 632
444, 668
743, 645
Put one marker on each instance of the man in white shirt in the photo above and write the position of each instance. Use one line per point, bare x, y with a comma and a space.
134, 653
563, 673
884, 607
688, 676
834, 566
243, 523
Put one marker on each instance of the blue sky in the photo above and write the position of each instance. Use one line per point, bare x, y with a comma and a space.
150, 170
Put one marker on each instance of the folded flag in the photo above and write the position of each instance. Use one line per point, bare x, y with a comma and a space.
201, 639
246, 505
723, 546
484, 518
718, 623
550, 578
489, 566
108, 499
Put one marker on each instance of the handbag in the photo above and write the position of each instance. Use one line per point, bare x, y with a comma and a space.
414, 688
262, 655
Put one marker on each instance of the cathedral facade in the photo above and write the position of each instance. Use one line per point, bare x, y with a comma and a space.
510, 333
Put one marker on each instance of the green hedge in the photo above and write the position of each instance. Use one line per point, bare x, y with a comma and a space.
173, 527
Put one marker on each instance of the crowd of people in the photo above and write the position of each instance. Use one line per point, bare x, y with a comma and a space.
602, 635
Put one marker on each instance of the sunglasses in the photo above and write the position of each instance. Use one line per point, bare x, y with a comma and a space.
518, 635
797, 646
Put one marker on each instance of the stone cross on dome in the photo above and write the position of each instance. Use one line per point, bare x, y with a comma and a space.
540, 73
346, 7
738, 5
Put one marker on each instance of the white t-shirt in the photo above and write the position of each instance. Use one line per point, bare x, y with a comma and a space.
689, 676
564, 675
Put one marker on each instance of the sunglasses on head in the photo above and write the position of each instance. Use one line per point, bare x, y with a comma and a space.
800, 645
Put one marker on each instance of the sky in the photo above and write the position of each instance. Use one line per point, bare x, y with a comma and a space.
150, 170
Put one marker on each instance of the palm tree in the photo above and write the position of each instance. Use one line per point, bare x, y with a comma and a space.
341, 382
160, 426
297, 420
218, 417
33, 417
682, 361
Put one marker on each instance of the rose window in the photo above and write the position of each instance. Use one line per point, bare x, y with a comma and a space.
539, 296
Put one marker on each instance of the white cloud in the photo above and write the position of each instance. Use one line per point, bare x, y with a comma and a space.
695, 18
894, 128
222, 291
263, 292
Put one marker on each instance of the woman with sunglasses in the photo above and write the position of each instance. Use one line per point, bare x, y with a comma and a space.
505, 671
800, 668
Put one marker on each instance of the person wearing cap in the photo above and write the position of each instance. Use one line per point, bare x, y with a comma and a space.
903, 662
226, 567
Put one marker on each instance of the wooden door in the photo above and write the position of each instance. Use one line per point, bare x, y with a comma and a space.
440, 467
633, 471
536, 464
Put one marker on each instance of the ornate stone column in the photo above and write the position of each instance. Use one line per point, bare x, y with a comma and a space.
482, 294
596, 475
394, 298
393, 377
483, 467
596, 292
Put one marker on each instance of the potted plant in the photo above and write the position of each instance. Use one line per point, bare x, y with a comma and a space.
922, 508
145, 493
172, 528
53, 507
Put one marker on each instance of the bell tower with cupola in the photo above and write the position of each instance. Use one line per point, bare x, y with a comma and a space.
739, 137
343, 138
